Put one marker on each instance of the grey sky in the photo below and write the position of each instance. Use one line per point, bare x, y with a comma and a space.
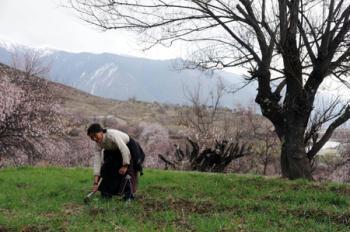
42, 23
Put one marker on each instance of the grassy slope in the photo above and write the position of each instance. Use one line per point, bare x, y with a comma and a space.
50, 199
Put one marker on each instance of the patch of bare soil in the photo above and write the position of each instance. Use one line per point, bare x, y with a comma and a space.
22, 185
343, 190
164, 188
72, 209
319, 215
96, 211
315, 214
179, 205
4, 229
32, 228
182, 224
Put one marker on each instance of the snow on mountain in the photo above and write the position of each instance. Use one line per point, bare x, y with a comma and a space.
123, 77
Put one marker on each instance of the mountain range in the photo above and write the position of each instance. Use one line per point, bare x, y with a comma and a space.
124, 77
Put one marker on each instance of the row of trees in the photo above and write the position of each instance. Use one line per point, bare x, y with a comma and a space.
289, 47
216, 136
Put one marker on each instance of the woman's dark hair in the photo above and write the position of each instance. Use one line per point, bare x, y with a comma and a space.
95, 128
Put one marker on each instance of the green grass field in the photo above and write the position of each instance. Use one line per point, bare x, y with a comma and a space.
51, 199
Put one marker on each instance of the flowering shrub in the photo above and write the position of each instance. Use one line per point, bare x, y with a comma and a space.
154, 140
28, 113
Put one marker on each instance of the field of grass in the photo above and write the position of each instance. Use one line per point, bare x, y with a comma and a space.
51, 199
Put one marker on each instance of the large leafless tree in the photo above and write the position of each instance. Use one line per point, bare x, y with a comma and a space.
290, 47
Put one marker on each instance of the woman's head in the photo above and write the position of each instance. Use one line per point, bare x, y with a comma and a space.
95, 132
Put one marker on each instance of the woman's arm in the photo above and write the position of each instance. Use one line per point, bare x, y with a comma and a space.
95, 184
97, 161
123, 149
97, 167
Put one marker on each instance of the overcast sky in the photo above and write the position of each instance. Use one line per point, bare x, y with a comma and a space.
42, 23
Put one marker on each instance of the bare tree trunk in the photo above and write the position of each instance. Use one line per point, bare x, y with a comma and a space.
294, 161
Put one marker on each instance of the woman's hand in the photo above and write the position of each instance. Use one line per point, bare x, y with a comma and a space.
123, 170
95, 184
95, 187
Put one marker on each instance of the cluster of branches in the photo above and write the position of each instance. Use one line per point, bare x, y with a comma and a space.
214, 159
290, 47
203, 113
29, 109
265, 143
334, 113
209, 145
234, 33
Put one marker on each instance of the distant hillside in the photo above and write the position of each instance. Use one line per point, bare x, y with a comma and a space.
121, 77
76, 110
158, 127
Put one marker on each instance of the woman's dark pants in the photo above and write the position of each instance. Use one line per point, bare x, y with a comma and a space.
114, 183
